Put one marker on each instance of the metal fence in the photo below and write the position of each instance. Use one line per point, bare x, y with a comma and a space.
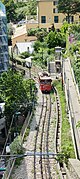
71, 112
11, 162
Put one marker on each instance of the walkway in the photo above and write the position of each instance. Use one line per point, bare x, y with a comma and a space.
73, 98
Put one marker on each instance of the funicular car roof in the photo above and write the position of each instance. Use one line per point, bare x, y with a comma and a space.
44, 76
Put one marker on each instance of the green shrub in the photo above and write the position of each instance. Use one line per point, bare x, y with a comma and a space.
16, 146
25, 55
67, 147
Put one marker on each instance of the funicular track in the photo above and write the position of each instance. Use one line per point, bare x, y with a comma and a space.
44, 165
49, 168
44, 138
43, 127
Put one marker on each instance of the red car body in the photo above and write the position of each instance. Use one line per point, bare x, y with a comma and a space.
45, 82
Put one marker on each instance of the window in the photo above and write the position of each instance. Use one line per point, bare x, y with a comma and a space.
70, 19
55, 3
67, 18
43, 19
55, 10
55, 19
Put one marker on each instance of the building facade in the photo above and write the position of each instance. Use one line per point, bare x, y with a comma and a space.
4, 58
48, 14
23, 47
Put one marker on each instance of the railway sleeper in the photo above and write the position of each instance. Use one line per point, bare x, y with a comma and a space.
37, 127
64, 173
58, 138
59, 115
58, 106
58, 130
57, 98
58, 141
63, 170
58, 149
57, 102
59, 124
59, 119
59, 111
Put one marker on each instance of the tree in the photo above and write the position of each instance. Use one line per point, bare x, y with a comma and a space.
69, 7
10, 30
52, 28
64, 28
37, 46
10, 9
16, 91
24, 55
40, 34
32, 7
26, 8
16, 146
21, 10
17, 11
56, 39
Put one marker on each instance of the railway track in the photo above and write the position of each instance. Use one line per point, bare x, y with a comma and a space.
47, 139
45, 163
44, 166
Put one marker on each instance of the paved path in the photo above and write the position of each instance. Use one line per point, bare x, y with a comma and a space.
25, 170
73, 95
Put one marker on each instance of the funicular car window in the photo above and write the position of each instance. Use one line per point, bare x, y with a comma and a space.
45, 81
42, 81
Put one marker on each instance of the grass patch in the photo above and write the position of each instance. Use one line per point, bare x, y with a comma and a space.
26, 134
66, 138
18, 162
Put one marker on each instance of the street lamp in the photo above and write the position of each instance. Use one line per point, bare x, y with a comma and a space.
29, 65
7, 149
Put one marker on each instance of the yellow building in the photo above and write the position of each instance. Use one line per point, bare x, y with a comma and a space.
48, 14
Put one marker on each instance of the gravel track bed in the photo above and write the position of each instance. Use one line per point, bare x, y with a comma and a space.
26, 169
